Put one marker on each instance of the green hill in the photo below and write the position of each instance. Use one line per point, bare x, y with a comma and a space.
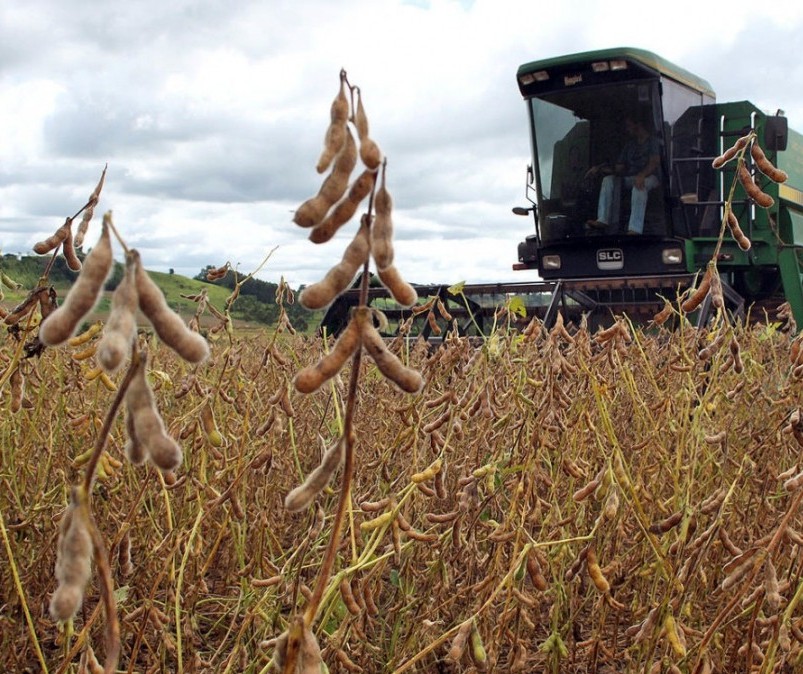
255, 305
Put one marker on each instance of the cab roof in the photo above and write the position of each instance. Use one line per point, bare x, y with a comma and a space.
640, 56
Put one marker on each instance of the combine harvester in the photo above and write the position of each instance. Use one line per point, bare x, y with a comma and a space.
577, 107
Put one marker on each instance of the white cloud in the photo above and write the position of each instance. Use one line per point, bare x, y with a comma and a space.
211, 114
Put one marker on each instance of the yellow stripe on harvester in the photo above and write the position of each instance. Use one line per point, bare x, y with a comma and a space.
790, 194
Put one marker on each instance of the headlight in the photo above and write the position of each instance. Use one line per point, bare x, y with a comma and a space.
550, 262
672, 256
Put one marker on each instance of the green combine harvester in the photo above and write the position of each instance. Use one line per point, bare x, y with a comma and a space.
578, 107
583, 108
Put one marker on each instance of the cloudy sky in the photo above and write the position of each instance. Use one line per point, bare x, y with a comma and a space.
211, 115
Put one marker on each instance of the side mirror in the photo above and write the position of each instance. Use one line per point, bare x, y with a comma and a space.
776, 133
521, 210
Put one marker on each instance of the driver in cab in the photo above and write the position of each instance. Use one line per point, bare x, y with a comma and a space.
637, 169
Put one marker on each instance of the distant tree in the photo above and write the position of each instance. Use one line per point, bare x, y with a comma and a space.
114, 277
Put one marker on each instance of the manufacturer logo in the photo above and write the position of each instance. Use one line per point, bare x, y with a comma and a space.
610, 258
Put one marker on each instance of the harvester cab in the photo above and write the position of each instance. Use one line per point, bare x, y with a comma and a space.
626, 204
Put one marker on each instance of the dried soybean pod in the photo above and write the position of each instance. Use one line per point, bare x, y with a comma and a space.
124, 559
402, 291
699, 294
168, 324
731, 152
68, 248
73, 561
313, 210
382, 229
738, 568
217, 273
370, 154
794, 483
535, 573
347, 594
766, 166
148, 426
737, 233
333, 143
17, 383
667, 524
344, 209
313, 377
595, 572
134, 450
736, 353
663, 315
406, 378
25, 307
753, 191
54, 240
717, 297
84, 293
89, 210
335, 133
337, 182
442, 310
121, 328
460, 641
586, 490
771, 588
337, 279
359, 118
300, 497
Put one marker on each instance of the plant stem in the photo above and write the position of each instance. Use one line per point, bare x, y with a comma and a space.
100, 443
21, 594
345, 484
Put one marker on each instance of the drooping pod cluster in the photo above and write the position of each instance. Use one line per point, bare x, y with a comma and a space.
753, 190
341, 150
359, 332
64, 237
336, 203
762, 163
136, 289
